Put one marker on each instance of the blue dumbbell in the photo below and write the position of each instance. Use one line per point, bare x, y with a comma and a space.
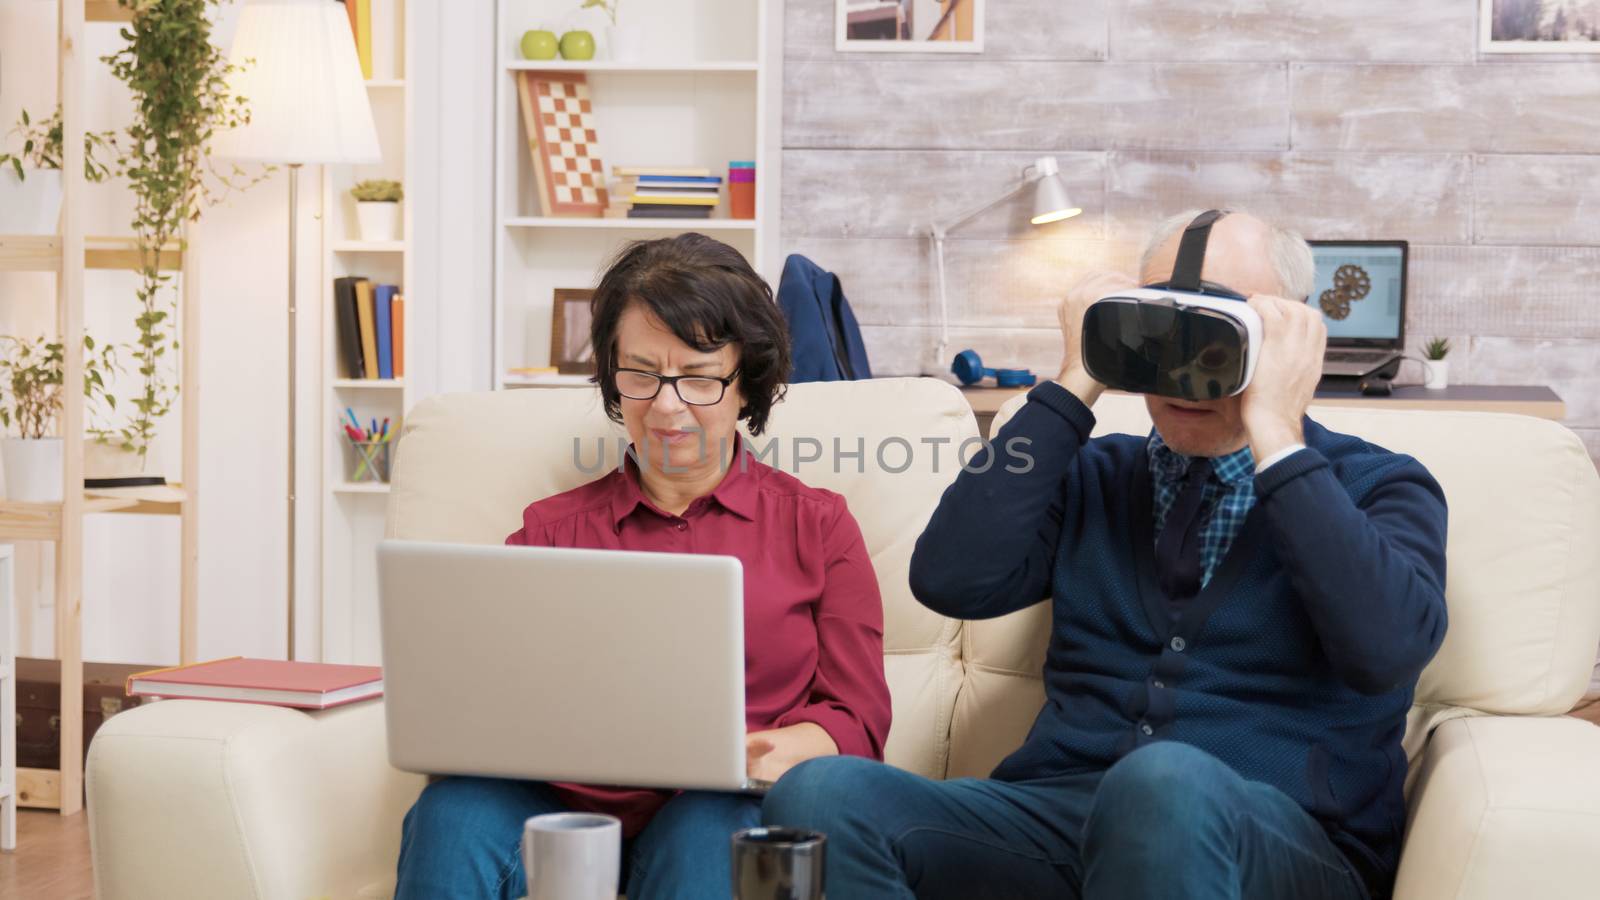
968, 369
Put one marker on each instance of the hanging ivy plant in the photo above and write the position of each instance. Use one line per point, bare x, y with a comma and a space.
178, 79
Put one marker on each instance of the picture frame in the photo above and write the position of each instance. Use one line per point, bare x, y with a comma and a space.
1539, 26
570, 316
909, 26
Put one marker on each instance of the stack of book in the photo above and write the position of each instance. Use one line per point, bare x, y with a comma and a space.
657, 193
371, 322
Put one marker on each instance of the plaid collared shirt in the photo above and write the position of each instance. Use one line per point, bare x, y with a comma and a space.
1229, 494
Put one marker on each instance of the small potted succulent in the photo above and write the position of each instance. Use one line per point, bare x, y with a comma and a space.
31, 374
30, 181
378, 209
1438, 375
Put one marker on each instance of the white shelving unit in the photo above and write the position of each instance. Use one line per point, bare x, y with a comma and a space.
706, 90
352, 514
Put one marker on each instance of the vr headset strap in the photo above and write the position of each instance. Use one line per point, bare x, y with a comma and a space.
1192, 252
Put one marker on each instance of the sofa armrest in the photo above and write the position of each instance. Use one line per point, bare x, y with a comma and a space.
193, 798
1504, 806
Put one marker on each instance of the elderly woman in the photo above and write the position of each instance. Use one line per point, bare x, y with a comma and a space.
688, 342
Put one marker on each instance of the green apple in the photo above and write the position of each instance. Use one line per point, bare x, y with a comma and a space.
577, 45
538, 45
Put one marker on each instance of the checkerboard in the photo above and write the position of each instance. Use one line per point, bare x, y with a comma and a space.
558, 118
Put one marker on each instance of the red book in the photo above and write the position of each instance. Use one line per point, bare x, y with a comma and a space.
274, 682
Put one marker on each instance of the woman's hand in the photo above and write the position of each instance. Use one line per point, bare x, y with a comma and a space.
769, 754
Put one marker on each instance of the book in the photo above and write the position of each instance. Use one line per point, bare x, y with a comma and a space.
631, 185
364, 36
355, 28
709, 180
397, 312
382, 297
646, 172
369, 335
344, 302
275, 682
673, 212
659, 200
681, 195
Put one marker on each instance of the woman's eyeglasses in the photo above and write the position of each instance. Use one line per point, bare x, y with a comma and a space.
695, 390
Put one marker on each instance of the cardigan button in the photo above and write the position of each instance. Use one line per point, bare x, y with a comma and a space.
1145, 727
1158, 684
1177, 644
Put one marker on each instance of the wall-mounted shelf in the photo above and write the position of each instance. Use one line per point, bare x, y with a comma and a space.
370, 384
673, 225
561, 65
42, 253
361, 488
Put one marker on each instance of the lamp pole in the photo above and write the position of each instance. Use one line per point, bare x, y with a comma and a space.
294, 215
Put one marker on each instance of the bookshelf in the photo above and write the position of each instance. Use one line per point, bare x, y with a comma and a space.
705, 90
68, 254
352, 513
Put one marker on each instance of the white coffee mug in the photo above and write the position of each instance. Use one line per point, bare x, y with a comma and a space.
572, 856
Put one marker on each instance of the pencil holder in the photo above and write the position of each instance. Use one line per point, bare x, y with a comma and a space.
368, 461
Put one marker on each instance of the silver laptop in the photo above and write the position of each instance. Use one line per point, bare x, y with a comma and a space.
588, 666
1361, 292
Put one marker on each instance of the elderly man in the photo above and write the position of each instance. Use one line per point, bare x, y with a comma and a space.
1241, 605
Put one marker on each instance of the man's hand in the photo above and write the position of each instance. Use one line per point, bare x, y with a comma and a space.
1287, 371
769, 754
1091, 287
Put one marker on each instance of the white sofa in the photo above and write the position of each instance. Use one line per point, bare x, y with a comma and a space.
212, 800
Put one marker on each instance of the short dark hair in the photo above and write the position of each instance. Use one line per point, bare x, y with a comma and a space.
708, 296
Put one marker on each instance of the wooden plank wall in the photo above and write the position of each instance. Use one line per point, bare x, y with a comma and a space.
1355, 119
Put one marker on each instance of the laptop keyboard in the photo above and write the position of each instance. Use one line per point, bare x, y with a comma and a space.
1356, 355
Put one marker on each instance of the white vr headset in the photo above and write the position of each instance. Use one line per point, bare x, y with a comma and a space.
1183, 337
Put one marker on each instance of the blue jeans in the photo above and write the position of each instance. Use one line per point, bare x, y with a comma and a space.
1167, 821
463, 839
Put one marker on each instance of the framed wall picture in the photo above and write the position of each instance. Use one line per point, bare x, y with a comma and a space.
570, 350
909, 26
1539, 26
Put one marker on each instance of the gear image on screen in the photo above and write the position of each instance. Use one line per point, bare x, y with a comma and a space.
1358, 289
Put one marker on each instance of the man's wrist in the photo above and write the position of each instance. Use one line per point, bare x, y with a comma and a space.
1078, 381
1268, 441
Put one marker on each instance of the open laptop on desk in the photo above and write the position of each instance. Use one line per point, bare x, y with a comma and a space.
551, 664
1361, 292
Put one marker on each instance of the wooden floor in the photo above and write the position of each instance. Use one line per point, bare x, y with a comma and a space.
51, 861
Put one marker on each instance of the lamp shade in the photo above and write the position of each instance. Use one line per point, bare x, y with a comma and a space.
297, 67
1050, 201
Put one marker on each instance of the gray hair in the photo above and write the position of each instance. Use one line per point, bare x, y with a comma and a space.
1289, 253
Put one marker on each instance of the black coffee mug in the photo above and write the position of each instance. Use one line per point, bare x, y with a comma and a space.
778, 864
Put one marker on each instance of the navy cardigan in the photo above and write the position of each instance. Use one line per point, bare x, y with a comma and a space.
1295, 664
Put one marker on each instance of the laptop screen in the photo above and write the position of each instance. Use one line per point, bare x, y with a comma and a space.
1361, 291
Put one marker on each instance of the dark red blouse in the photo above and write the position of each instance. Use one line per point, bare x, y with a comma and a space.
813, 619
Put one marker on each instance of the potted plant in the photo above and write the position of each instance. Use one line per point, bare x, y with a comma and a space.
623, 42
1438, 375
31, 375
378, 209
178, 80
30, 181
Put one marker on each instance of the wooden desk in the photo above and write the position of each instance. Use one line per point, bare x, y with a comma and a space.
1526, 400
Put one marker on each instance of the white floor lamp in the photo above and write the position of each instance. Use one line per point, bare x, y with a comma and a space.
297, 67
1050, 204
